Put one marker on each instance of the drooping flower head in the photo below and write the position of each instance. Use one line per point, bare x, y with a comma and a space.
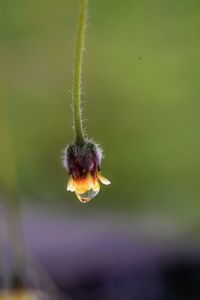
83, 158
82, 161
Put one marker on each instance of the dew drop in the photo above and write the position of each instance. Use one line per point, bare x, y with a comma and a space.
87, 196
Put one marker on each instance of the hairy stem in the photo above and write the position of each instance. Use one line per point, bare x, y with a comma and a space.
78, 72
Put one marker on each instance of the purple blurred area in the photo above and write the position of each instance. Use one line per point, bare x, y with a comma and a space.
98, 258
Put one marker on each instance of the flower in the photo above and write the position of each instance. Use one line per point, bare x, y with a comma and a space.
83, 164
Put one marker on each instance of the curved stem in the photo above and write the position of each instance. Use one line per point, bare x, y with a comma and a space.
78, 72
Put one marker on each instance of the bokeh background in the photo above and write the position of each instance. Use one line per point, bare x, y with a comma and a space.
141, 104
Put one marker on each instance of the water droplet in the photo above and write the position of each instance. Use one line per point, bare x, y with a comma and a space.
87, 196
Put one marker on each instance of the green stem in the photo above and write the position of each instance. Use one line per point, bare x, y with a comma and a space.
78, 72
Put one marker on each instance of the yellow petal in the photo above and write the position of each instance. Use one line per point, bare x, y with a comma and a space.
96, 186
103, 179
70, 184
81, 186
90, 181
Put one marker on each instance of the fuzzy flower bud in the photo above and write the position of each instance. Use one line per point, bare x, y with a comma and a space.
83, 165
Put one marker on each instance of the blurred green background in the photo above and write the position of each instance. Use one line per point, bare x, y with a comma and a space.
141, 101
